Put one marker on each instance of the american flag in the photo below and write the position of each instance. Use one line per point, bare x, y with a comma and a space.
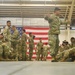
39, 32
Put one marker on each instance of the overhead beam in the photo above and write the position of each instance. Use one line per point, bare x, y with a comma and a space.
63, 5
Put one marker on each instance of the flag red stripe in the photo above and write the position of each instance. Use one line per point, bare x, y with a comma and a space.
42, 39
38, 33
36, 28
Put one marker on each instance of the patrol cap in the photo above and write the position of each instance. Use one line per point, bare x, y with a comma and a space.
56, 9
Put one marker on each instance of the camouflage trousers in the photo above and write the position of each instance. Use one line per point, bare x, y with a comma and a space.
53, 41
65, 54
31, 47
45, 54
1, 51
40, 53
24, 50
6, 51
15, 49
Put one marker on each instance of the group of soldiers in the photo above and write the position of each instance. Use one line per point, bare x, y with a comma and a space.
66, 51
12, 45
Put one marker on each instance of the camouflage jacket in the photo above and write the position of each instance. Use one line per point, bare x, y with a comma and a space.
54, 24
31, 41
40, 45
24, 39
15, 35
7, 33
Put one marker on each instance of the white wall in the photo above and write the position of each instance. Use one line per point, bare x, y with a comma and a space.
25, 21
35, 22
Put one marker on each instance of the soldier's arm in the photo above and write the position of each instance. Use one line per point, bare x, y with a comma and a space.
36, 48
49, 18
5, 32
65, 56
65, 22
14, 36
26, 37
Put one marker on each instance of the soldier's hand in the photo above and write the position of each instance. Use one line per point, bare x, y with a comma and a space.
47, 15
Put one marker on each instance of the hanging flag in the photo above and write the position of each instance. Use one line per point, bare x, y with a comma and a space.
39, 32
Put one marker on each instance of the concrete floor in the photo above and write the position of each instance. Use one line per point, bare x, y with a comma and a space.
37, 68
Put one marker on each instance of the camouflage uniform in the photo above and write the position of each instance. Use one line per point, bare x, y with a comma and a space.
24, 45
7, 34
39, 50
14, 42
20, 49
1, 50
31, 47
6, 49
54, 31
45, 52
63, 48
72, 56
72, 45
62, 56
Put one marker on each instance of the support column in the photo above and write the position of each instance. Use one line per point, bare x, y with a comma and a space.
69, 18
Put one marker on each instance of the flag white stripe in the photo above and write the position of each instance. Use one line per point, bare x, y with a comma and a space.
36, 41
39, 31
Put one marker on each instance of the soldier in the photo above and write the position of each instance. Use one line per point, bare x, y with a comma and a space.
31, 45
24, 45
14, 41
40, 49
54, 31
63, 56
72, 56
45, 52
7, 32
72, 42
64, 46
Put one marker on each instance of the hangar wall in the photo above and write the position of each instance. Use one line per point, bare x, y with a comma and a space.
35, 22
